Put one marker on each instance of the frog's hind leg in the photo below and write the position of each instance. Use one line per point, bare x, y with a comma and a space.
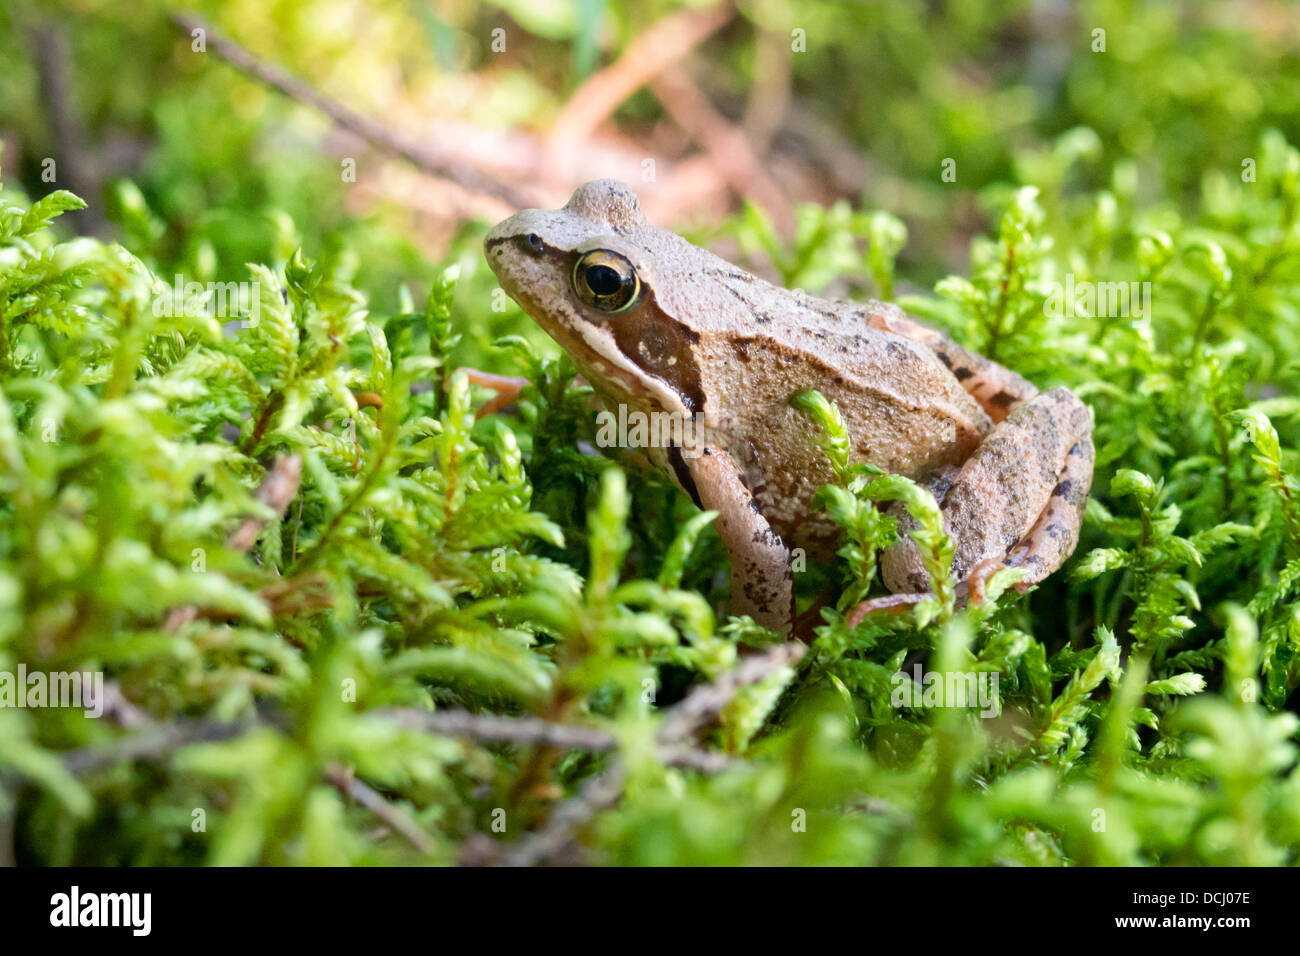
1020, 496
1054, 535
1017, 501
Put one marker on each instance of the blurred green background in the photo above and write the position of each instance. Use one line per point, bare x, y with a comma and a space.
864, 101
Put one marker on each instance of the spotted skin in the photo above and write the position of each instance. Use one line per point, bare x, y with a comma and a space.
997, 390
1054, 535
1018, 499
762, 584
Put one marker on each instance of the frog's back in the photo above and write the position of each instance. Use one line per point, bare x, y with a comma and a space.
905, 411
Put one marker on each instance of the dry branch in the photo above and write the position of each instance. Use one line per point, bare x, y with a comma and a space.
493, 728
342, 780
646, 57
345, 118
157, 743
704, 702
276, 491
557, 833
726, 144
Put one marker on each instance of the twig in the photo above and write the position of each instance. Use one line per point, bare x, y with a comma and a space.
120, 708
532, 730
162, 740
351, 787
558, 832
157, 743
604, 791
498, 729
55, 66
292, 86
276, 492
658, 48
682, 719
726, 143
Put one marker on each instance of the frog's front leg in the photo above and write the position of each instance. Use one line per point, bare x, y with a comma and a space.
1018, 500
762, 584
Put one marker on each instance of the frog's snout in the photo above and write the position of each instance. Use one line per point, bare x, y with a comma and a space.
498, 235
500, 247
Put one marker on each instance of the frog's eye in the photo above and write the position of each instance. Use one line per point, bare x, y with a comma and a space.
605, 280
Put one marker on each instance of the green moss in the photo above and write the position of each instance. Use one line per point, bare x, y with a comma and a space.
431, 559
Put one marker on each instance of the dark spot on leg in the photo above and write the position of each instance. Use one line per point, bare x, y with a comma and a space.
961, 374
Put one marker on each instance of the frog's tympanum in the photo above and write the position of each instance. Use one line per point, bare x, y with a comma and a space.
660, 325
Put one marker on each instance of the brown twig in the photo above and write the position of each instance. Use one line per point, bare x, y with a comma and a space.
726, 144
658, 48
276, 491
704, 702
159, 741
493, 728
342, 780
156, 743
295, 88
558, 832
55, 67
119, 708
162, 740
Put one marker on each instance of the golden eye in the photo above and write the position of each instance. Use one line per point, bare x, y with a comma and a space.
605, 280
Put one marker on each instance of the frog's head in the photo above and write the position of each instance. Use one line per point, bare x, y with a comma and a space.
590, 274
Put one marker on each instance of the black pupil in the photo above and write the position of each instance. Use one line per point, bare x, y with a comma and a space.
602, 280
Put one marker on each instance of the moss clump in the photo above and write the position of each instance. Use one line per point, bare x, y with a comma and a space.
341, 620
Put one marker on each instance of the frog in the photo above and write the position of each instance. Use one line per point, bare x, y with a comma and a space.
658, 325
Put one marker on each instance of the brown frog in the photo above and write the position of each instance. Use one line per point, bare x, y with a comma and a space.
659, 325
